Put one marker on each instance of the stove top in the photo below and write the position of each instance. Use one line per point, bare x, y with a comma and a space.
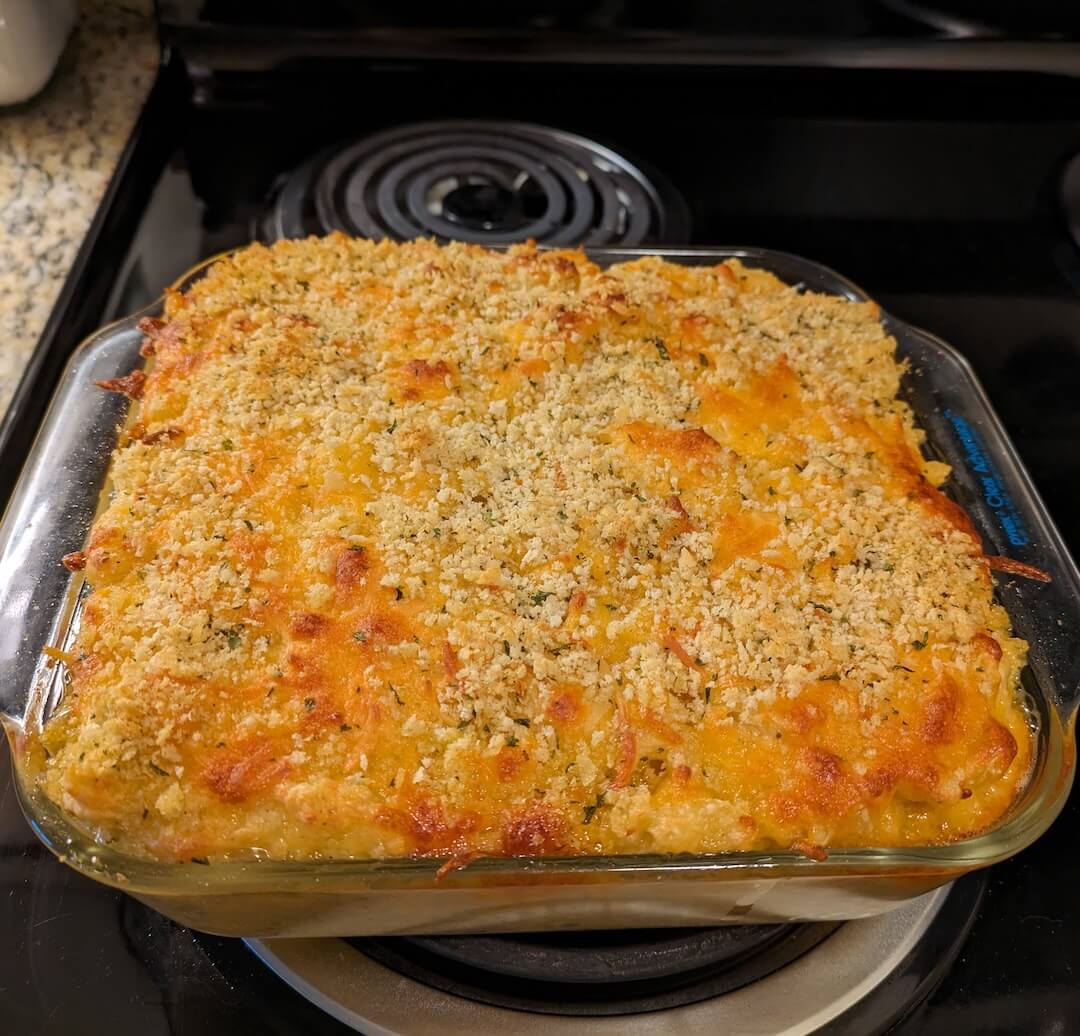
953, 205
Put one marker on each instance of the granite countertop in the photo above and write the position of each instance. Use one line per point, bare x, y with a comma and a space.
57, 154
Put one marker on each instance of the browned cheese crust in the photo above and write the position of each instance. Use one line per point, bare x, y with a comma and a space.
422, 550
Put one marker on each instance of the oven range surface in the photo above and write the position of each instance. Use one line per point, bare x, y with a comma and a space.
947, 200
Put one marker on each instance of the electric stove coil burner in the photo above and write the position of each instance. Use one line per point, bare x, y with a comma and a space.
597, 973
485, 182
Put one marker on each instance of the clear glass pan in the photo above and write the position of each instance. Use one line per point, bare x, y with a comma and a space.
58, 495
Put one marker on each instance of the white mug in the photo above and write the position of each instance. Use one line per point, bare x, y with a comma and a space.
32, 35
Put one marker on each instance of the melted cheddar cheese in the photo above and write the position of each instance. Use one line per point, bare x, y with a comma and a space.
429, 550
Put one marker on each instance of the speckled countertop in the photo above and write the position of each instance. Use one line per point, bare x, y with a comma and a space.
57, 153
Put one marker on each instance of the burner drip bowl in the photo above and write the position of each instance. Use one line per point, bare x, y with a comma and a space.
856, 978
597, 973
489, 183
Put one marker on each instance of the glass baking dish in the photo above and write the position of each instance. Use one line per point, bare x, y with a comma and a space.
57, 498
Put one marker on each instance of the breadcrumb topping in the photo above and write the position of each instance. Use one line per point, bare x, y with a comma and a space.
432, 550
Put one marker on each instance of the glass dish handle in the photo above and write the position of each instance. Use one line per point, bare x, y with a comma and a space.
989, 480
49, 515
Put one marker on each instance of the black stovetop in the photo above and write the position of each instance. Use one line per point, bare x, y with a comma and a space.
938, 193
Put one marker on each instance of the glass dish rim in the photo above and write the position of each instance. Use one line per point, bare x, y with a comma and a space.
1039, 804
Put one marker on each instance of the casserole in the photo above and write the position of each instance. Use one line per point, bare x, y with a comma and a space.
363, 896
